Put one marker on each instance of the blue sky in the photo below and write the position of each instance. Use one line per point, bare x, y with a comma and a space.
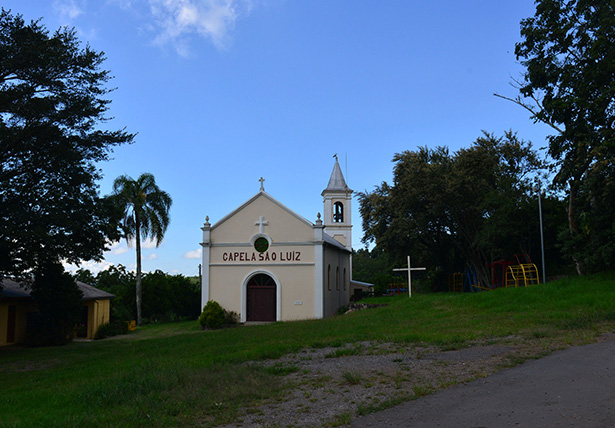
222, 92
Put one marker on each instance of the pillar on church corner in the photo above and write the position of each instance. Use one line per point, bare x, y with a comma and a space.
206, 258
319, 272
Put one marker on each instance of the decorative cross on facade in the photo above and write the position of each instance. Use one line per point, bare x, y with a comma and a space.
262, 180
409, 269
261, 223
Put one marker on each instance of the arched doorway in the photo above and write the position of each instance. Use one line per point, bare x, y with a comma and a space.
261, 298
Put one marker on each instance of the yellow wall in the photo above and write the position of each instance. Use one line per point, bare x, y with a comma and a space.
21, 320
295, 288
99, 312
290, 259
296, 282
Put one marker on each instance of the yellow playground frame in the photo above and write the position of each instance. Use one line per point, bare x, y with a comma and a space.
522, 275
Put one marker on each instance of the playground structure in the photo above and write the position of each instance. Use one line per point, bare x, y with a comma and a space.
395, 288
455, 282
471, 283
524, 273
517, 272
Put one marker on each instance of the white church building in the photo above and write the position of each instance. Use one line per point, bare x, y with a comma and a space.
268, 263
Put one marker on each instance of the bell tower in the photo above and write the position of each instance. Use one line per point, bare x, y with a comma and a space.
337, 199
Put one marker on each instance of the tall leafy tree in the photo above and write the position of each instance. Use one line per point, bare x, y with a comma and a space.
445, 209
568, 50
411, 216
59, 306
491, 189
52, 105
146, 215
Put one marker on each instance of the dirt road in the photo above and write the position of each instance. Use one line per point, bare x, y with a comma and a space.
570, 388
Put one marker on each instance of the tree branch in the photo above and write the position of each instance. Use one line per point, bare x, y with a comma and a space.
532, 110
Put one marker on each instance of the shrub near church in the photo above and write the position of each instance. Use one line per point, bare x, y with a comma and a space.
214, 316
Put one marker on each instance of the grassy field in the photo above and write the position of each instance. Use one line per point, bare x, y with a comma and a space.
176, 374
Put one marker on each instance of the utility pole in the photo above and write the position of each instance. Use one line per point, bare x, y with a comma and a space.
542, 242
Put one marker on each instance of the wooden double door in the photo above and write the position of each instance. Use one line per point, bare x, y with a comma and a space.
261, 295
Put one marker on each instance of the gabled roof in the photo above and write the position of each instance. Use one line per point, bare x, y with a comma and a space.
93, 293
337, 182
21, 290
270, 198
361, 284
13, 290
334, 242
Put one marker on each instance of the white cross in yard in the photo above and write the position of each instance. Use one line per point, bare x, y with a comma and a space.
409, 269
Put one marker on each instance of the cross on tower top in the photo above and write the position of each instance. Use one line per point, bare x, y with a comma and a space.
262, 180
261, 223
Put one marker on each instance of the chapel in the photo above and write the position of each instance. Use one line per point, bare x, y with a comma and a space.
268, 263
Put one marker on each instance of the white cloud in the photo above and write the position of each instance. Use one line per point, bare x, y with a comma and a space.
196, 254
68, 13
174, 23
68, 10
148, 243
123, 4
92, 266
152, 256
118, 248
179, 20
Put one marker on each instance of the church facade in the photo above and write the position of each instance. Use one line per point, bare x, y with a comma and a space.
268, 263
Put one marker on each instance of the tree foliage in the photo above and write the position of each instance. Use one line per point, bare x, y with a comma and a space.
146, 215
120, 282
59, 306
568, 50
52, 103
169, 297
374, 267
447, 211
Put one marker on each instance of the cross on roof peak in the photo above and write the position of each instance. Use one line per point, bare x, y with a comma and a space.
262, 180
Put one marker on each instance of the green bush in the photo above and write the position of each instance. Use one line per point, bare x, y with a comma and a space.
214, 316
113, 328
231, 318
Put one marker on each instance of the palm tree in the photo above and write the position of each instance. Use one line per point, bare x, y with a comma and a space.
146, 215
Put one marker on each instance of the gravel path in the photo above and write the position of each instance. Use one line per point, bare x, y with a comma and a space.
333, 386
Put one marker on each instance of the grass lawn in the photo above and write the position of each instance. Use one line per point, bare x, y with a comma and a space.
176, 374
